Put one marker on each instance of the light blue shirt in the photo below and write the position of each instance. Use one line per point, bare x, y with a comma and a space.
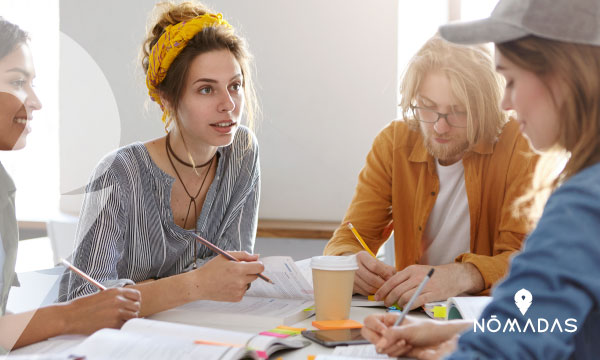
9, 237
560, 267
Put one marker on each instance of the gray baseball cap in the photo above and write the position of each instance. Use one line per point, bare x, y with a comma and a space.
576, 21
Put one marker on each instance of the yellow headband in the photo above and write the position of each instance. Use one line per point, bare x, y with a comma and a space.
169, 45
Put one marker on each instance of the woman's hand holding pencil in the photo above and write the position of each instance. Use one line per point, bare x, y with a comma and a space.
227, 255
231, 278
110, 308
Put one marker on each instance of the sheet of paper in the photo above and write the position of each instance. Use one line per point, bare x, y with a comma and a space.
305, 270
268, 307
289, 281
359, 351
363, 301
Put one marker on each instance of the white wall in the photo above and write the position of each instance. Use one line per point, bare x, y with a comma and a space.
326, 76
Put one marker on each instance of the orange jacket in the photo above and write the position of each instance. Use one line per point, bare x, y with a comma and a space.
398, 186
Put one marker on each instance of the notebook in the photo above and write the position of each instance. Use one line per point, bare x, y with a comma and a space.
264, 306
150, 339
458, 307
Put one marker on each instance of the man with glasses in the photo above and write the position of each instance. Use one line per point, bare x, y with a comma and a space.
443, 179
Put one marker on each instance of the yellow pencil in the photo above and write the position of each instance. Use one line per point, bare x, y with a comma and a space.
359, 238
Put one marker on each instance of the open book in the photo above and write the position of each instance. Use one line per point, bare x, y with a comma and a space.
150, 339
458, 307
264, 306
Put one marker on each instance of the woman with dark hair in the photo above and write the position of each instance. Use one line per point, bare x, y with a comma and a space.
110, 308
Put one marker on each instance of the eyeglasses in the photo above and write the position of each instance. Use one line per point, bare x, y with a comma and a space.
455, 119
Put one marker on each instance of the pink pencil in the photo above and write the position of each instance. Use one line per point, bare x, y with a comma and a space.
82, 274
218, 250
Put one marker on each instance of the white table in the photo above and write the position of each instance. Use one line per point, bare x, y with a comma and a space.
63, 343
38, 287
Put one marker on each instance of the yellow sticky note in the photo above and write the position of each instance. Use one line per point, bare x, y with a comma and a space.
371, 297
439, 312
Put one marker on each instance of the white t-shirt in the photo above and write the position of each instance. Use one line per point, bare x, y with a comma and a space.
447, 233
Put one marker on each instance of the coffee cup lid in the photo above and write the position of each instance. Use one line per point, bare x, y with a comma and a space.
334, 262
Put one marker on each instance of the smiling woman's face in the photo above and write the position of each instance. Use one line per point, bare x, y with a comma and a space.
17, 97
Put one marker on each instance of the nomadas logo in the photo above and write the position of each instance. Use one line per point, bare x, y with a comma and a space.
523, 301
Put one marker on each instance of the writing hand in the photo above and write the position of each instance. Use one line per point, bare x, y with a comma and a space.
225, 280
371, 274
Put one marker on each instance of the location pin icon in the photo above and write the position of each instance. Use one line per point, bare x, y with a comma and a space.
523, 299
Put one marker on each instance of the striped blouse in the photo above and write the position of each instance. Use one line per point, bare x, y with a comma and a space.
127, 234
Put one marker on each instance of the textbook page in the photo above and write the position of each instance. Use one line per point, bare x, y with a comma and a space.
112, 344
183, 332
466, 307
189, 334
264, 306
290, 282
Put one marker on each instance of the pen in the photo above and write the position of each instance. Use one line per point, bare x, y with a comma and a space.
360, 239
82, 274
412, 299
216, 249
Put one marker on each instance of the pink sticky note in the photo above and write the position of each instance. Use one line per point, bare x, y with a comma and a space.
262, 354
268, 333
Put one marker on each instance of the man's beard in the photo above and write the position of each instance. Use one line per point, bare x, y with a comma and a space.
444, 152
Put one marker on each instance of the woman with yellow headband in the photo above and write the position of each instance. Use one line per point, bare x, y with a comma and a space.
146, 200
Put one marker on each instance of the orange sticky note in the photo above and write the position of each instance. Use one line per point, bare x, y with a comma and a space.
337, 324
311, 357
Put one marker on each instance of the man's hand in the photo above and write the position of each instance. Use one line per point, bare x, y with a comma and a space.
448, 280
371, 274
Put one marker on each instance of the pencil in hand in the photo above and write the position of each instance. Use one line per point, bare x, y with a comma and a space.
359, 238
82, 274
218, 250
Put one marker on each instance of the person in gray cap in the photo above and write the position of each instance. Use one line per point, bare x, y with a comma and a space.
547, 308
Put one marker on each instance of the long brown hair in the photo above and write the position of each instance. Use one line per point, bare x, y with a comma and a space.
576, 68
209, 39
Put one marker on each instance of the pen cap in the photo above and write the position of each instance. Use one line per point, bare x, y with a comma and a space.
334, 262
